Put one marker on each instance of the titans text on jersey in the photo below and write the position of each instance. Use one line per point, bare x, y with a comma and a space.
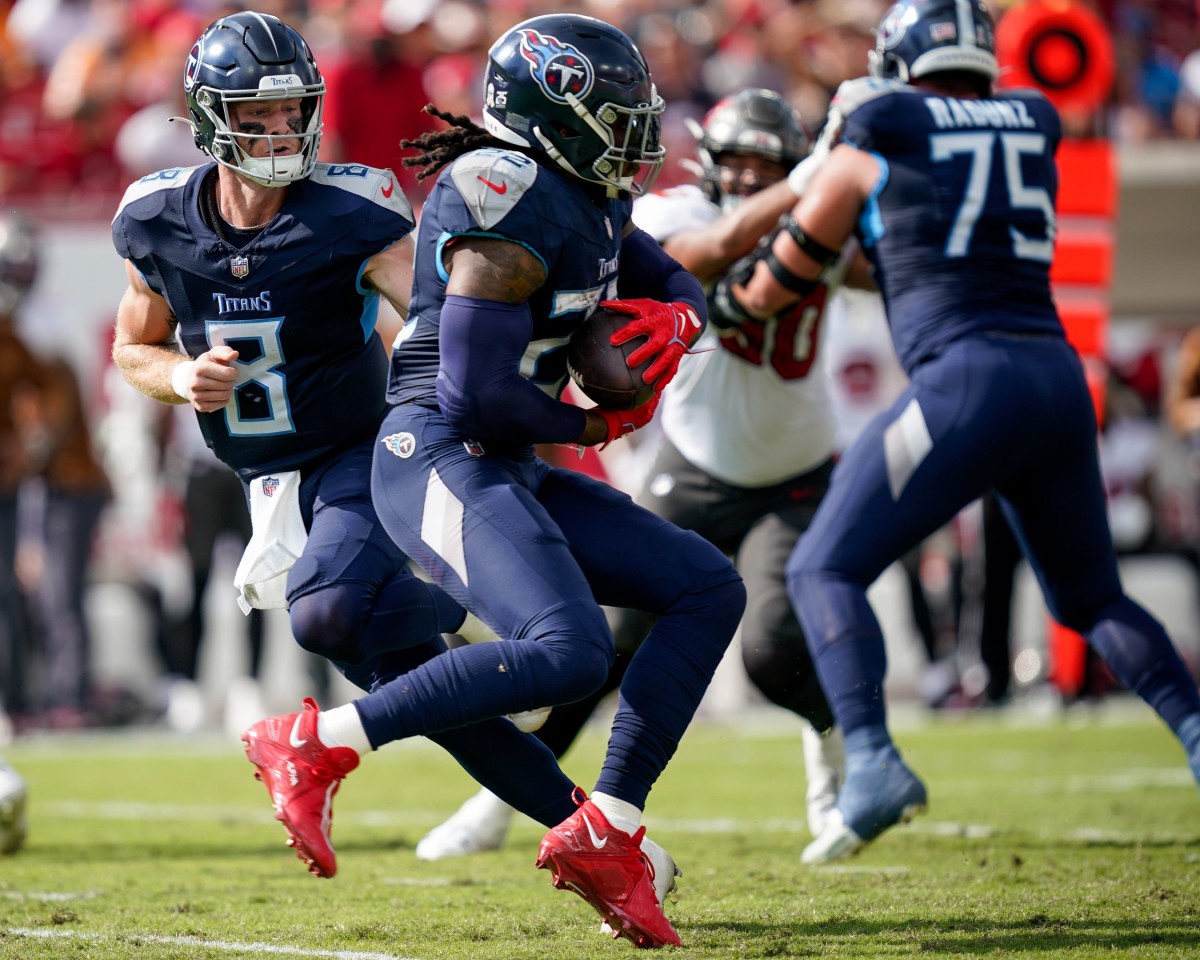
311, 369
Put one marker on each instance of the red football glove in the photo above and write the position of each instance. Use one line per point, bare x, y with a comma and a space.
622, 422
670, 328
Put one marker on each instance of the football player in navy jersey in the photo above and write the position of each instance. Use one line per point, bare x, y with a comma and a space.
526, 231
267, 267
951, 191
748, 439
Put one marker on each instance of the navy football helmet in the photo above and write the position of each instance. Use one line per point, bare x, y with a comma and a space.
578, 90
919, 37
252, 56
18, 261
753, 122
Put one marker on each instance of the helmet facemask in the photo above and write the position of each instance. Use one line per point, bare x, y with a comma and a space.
233, 149
634, 156
754, 123
254, 58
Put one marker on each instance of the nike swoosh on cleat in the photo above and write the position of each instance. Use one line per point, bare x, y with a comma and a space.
596, 841
293, 737
501, 189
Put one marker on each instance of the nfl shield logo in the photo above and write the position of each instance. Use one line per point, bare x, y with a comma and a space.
270, 485
240, 266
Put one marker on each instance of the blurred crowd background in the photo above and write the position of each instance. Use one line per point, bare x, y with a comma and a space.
124, 629
85, 85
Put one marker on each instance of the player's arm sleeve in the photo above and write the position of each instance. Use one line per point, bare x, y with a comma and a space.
479, 385
649, 271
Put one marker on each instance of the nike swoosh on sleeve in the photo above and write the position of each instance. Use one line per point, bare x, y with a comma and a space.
501, 189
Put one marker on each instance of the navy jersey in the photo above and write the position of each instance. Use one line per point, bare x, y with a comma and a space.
966, 195
501, 193
312, 372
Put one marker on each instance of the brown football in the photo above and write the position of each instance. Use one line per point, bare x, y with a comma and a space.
600, 370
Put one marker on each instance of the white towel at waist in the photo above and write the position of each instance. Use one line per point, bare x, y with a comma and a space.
277, 541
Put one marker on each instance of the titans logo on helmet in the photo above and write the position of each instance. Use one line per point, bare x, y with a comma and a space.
896, 23
192, 68
557, 67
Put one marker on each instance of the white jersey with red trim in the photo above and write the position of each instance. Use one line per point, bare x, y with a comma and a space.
751, 407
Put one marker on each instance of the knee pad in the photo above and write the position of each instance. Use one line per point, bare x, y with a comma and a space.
330, 622
570, 653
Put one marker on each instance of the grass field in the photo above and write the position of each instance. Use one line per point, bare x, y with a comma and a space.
1075, 836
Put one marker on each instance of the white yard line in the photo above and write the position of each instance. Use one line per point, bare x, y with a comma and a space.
1117, 783
231, 946
50, 896
119, 810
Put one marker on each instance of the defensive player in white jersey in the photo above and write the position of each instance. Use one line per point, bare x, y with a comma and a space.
749, 439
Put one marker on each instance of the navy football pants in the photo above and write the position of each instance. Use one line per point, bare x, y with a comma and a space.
1011, 414
353, 600
533, 551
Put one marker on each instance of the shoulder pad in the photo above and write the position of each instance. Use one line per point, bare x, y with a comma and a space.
170, 179
491, 181
377, 184
852, 94
1018, 93
664, 213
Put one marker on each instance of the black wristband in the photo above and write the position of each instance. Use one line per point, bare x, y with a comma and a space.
724, 312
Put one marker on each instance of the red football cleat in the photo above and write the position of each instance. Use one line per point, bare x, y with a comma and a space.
302, 775
608, 868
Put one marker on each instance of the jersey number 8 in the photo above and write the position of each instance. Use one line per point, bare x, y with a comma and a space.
271, 386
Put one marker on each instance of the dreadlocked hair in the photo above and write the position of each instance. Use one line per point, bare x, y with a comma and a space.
440, 147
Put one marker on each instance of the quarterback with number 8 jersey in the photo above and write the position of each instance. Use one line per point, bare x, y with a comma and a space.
950, 188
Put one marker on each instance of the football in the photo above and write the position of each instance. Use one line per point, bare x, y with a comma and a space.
601, 370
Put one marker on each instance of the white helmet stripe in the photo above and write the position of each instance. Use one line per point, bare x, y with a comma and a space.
266, 26
966, 22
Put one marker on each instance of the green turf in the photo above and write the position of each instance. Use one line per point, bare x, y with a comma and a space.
1069, 837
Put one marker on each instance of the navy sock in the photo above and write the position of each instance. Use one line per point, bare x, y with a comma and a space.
481, 681
664, 685
515, 766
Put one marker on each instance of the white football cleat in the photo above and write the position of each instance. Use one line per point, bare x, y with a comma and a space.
13, 796
479, 824
836, 841
879, 792
665, 870
824, 771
